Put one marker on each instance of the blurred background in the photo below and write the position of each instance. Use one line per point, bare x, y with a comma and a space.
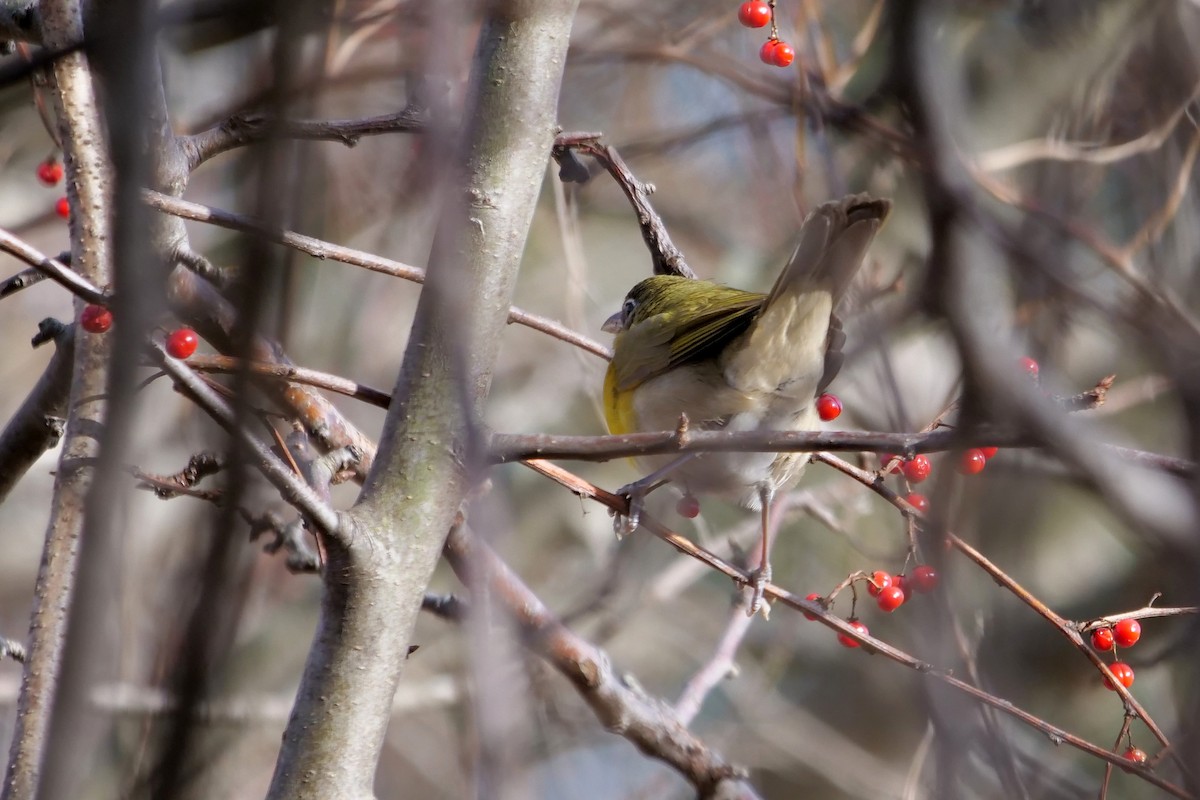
1074, 138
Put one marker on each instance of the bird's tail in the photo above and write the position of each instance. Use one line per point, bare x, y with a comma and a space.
787, 350
833, 241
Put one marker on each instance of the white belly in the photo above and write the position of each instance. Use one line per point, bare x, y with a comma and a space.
703, 394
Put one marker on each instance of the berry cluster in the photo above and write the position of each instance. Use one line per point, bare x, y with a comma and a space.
890, 592
50, 173
760, 14
918, 468
181, 343
1124, 633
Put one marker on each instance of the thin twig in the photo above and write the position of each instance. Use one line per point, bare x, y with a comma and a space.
318, 248
667, 258
51, 268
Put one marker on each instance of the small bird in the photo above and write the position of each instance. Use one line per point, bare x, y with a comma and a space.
737, 361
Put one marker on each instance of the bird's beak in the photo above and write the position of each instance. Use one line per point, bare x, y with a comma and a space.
615, 323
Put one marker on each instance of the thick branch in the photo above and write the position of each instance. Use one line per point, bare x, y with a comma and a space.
374, 588
51, 689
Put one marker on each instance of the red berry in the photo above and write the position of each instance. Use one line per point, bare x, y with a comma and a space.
829, 407
891, 598
63, 207
815, 598
918, 501
1127, 632
989, 452
1029, 366
973, 461
765, 53
688, 506
917, 469
783, 54
1122, 672
182, 343
886, 458
846, 641
50, 172
1136, 755
925, 579
880, 580
95, 319
902, 583
1102, 639
754, 14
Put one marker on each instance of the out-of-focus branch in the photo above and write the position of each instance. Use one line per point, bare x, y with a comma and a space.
817, 103
243, 129
647, 722
1011, 156
37, 426
22, 280
930, 90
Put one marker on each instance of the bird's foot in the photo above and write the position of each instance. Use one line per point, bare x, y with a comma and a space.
759, 603
635, 493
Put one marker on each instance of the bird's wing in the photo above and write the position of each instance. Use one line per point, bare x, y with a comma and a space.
833, 242
663, 342
710, 329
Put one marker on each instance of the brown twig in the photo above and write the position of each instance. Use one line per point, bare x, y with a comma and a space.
243, 129
56, 271
507, 448
318, 248
667, 258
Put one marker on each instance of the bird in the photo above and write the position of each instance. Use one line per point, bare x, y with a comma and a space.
734, 360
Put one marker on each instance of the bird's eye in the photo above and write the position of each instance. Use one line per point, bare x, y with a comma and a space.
628, 306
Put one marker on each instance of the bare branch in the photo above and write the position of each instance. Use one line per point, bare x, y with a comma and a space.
667, 258
243, 129
71, 280
625, 709
348, 255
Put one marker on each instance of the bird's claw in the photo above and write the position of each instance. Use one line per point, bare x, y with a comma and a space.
759, 579
625, 524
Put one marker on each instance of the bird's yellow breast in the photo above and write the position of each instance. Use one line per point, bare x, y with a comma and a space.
618, 405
